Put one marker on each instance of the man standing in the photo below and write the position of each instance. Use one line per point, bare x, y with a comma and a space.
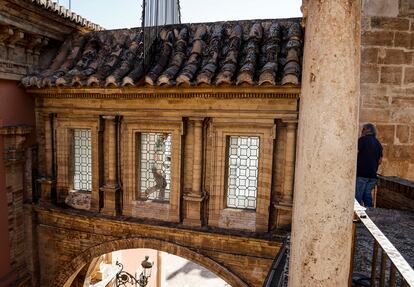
369, 158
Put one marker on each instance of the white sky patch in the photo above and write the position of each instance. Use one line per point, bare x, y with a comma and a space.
116, 14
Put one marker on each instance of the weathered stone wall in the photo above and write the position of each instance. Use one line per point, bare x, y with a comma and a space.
387, 80
16, 110
395, 193
67, 240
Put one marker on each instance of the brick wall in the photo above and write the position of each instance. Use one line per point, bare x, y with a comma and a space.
387, 81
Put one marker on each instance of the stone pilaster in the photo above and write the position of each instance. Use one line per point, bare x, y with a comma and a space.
47, 184
14, 162
326, 149
193, 201
111, 188
283, 204
287, 197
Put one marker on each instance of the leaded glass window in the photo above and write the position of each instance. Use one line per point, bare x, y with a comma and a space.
155, 165
82, 151
243, 166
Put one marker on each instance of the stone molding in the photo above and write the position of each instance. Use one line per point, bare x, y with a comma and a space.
14, 138
30, 27
184, 93
65, 14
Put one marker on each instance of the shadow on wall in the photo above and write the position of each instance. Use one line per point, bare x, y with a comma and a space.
188, 267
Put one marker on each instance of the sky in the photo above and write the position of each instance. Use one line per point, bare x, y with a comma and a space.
114, 14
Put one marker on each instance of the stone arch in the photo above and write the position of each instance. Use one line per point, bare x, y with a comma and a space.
70, 270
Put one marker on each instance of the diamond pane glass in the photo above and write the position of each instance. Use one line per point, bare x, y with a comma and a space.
155, 165
82, 176
243, 165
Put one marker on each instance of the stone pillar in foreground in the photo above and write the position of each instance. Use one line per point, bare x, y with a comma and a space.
326, 147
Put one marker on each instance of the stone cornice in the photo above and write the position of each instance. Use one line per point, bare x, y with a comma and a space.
29, 28
51, 22
65, 14
172, 92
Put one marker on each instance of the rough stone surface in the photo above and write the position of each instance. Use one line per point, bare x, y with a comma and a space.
389, 23
387, 8
323, 201
387, 76
403, 134
79, 200
409, 75
391, 75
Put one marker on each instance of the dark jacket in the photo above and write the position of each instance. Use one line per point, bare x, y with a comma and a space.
369, 155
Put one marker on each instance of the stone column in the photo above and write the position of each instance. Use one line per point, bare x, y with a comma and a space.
111, 186
326, 148
194, 200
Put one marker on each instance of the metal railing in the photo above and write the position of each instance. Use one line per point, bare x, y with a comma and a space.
276, 275
399, 272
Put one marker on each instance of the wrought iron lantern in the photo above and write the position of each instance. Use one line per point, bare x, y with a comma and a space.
123, 278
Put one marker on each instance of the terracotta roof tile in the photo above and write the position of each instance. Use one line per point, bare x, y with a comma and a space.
257, 52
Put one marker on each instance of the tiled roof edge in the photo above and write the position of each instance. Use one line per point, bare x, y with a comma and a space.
66, 14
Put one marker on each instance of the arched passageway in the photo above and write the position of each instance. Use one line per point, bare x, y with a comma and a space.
166, 270
69, 272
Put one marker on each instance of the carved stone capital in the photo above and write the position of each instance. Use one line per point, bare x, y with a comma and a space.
14, 38
14, 138
291, 125
5, 33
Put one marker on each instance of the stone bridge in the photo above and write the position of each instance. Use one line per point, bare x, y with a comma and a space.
68, 240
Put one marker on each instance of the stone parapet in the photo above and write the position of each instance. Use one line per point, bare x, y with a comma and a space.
395, 193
